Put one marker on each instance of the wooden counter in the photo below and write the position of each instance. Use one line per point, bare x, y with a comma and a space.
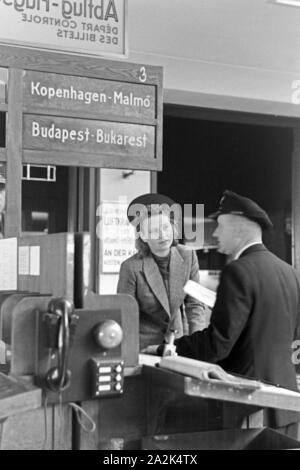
268, 396
17, 396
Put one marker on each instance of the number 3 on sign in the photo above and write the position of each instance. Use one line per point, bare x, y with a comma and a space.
142, 75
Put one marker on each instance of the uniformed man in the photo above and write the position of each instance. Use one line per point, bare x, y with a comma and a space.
254, 319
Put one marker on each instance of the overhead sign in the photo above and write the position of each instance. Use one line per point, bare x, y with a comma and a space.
90, 27
96, 96
91, 136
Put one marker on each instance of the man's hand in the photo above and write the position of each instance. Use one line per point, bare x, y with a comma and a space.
156, 349
151, 349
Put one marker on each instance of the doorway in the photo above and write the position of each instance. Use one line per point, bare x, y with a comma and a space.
56, 199
206, 152
45, 201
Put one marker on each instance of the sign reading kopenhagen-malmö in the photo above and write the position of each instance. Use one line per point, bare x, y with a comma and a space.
90, 27
100, 97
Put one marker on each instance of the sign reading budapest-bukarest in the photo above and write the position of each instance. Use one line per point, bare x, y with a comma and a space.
91, 27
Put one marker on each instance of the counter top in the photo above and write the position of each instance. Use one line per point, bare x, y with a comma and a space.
267, 396
17, 395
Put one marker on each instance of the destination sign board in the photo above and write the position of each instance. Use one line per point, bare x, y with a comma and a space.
90, 136
96, 96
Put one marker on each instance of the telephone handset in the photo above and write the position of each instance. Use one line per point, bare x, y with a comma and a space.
94, 367
61, 322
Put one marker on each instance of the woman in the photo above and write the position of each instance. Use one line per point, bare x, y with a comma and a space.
156, 274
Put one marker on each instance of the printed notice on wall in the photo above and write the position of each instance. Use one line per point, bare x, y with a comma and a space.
8, 265
23, 260
117, 236
91, 27
34, 261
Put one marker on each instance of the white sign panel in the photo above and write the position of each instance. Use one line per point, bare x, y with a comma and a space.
90, 27
8, 265
117, 236
34, 261
24, 260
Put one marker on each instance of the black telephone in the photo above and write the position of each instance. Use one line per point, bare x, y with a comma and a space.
79, 352
59, 318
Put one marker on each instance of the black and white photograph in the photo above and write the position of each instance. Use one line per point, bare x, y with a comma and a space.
149, 228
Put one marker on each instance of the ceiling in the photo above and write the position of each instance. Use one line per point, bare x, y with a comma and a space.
246, 33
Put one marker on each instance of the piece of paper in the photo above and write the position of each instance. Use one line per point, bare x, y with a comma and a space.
2, 91
8, 265
209, 278
23, 260
201, 293
34, 261
148, 360
207, 372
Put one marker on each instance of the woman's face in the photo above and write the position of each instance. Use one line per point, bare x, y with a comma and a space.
157, 232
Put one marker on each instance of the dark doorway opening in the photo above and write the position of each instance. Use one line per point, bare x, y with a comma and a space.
45, 204
204, 156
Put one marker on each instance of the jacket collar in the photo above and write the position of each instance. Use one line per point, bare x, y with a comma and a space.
176, 281
155, 281
253, 248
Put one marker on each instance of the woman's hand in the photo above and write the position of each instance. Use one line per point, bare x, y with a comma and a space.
151, 349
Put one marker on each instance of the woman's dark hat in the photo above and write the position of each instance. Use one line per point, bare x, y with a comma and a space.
233, 203
147, 204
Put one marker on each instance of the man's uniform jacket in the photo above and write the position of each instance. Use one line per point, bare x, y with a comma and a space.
253, 323
141, 278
